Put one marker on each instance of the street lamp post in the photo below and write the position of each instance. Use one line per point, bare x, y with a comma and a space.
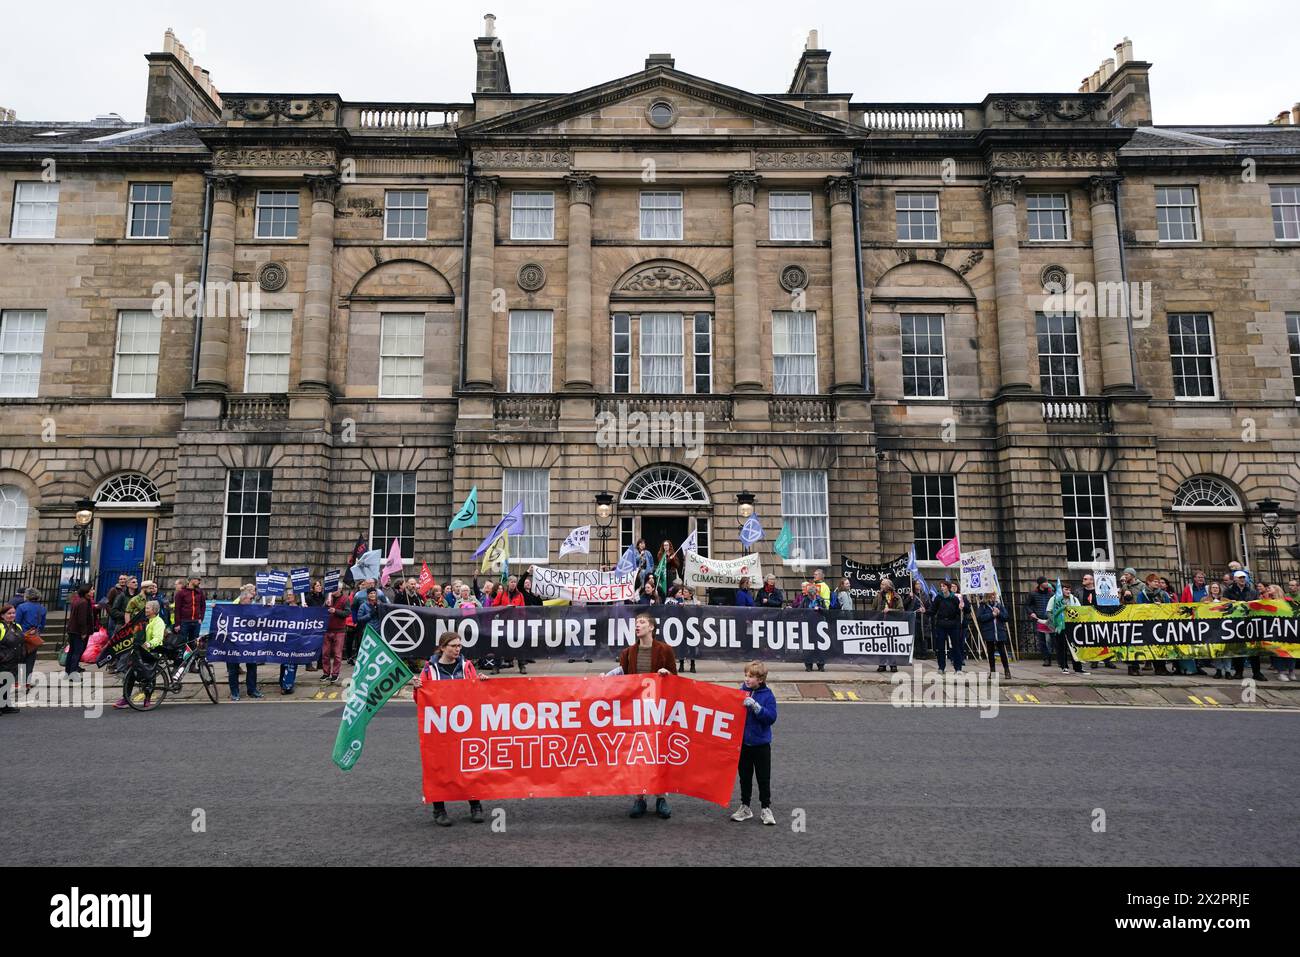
85, 515
1269, 518
604, 522
745, 499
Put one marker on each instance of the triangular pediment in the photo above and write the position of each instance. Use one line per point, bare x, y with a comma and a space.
622, 108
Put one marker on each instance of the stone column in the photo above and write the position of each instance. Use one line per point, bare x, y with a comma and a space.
1116, 344
313, 372
577, 325
214, 344
482, 259
844, 287
744, 251
1013, 315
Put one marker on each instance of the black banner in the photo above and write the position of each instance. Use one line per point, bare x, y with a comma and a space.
704, 631
864, 580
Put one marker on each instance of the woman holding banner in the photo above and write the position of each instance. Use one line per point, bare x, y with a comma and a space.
448, 665
887, 599
647, 657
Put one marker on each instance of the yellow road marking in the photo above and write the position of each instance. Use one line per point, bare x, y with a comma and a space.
853, 695
318, 695
333, 695
1032, 698
1212, 701
1196, 700
1018, 698
839, 695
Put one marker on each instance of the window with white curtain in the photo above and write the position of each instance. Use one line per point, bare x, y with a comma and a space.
270, 335
13, 525
661, 353
22, 342
804, 508
401, 355
135, 369
789, 216
661, 214
532, 214
36, 210
530, 350
533, 488
1286, 212
1178, 214
794, 353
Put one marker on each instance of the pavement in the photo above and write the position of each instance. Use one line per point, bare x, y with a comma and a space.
252, 783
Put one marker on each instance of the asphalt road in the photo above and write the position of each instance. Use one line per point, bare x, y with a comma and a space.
876, 785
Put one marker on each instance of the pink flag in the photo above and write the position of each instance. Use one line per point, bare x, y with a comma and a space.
391, 564
950, 554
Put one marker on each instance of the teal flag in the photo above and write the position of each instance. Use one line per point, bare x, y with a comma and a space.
468, 514
661, 575
1056, 609
784, 542
378, 676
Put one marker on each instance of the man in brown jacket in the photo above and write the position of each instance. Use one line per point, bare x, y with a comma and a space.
81, 624
647, 657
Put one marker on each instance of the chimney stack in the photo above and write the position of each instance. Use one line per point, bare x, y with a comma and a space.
7, 115
1282, 119
1295, 115
812, 75
493, 77
660, 59
179, 89
1127, 82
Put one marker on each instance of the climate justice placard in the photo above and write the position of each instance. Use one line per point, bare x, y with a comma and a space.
720, 632
574, 737
1149, 632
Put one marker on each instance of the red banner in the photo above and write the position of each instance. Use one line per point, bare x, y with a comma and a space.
575, 737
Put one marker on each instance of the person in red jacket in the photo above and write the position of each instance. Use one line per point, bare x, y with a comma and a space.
191, 603
511, 595
331, 657
449, 665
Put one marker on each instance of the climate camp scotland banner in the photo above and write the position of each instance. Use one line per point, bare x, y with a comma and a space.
1184, 630
378, 676
718, 632
593, 585
575, 737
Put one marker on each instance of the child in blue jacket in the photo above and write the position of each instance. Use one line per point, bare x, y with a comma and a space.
756, 749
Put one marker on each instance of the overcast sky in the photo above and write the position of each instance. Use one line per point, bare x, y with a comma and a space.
1215, 61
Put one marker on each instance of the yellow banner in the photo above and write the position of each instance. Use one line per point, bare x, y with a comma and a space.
1158, 632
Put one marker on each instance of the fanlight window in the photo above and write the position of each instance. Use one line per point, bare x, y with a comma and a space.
127, 490
1205, 493
665, 486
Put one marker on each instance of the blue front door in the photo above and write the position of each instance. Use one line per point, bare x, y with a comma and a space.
121, 550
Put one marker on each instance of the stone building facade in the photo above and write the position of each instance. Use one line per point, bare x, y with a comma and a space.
1039, 322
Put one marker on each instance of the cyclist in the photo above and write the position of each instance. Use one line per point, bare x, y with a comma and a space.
150, 647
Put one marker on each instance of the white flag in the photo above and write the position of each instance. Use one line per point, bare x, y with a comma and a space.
691, 545
579, 540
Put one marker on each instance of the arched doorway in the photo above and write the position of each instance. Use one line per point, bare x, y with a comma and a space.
126, 517
665, 502
1211, 523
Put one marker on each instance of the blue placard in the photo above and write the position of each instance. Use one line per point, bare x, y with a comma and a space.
301, 579
263, 580
277, 583
261, 634
331, 582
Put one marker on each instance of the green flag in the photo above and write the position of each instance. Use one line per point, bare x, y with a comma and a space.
661, 574
783, 542
378, 676
1056, 609
468, 514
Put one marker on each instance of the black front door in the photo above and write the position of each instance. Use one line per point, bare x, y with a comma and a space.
655, 529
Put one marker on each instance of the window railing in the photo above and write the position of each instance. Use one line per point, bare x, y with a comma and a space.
253, 410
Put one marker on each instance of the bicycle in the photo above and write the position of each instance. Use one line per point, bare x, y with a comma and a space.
146, 683
193, 662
